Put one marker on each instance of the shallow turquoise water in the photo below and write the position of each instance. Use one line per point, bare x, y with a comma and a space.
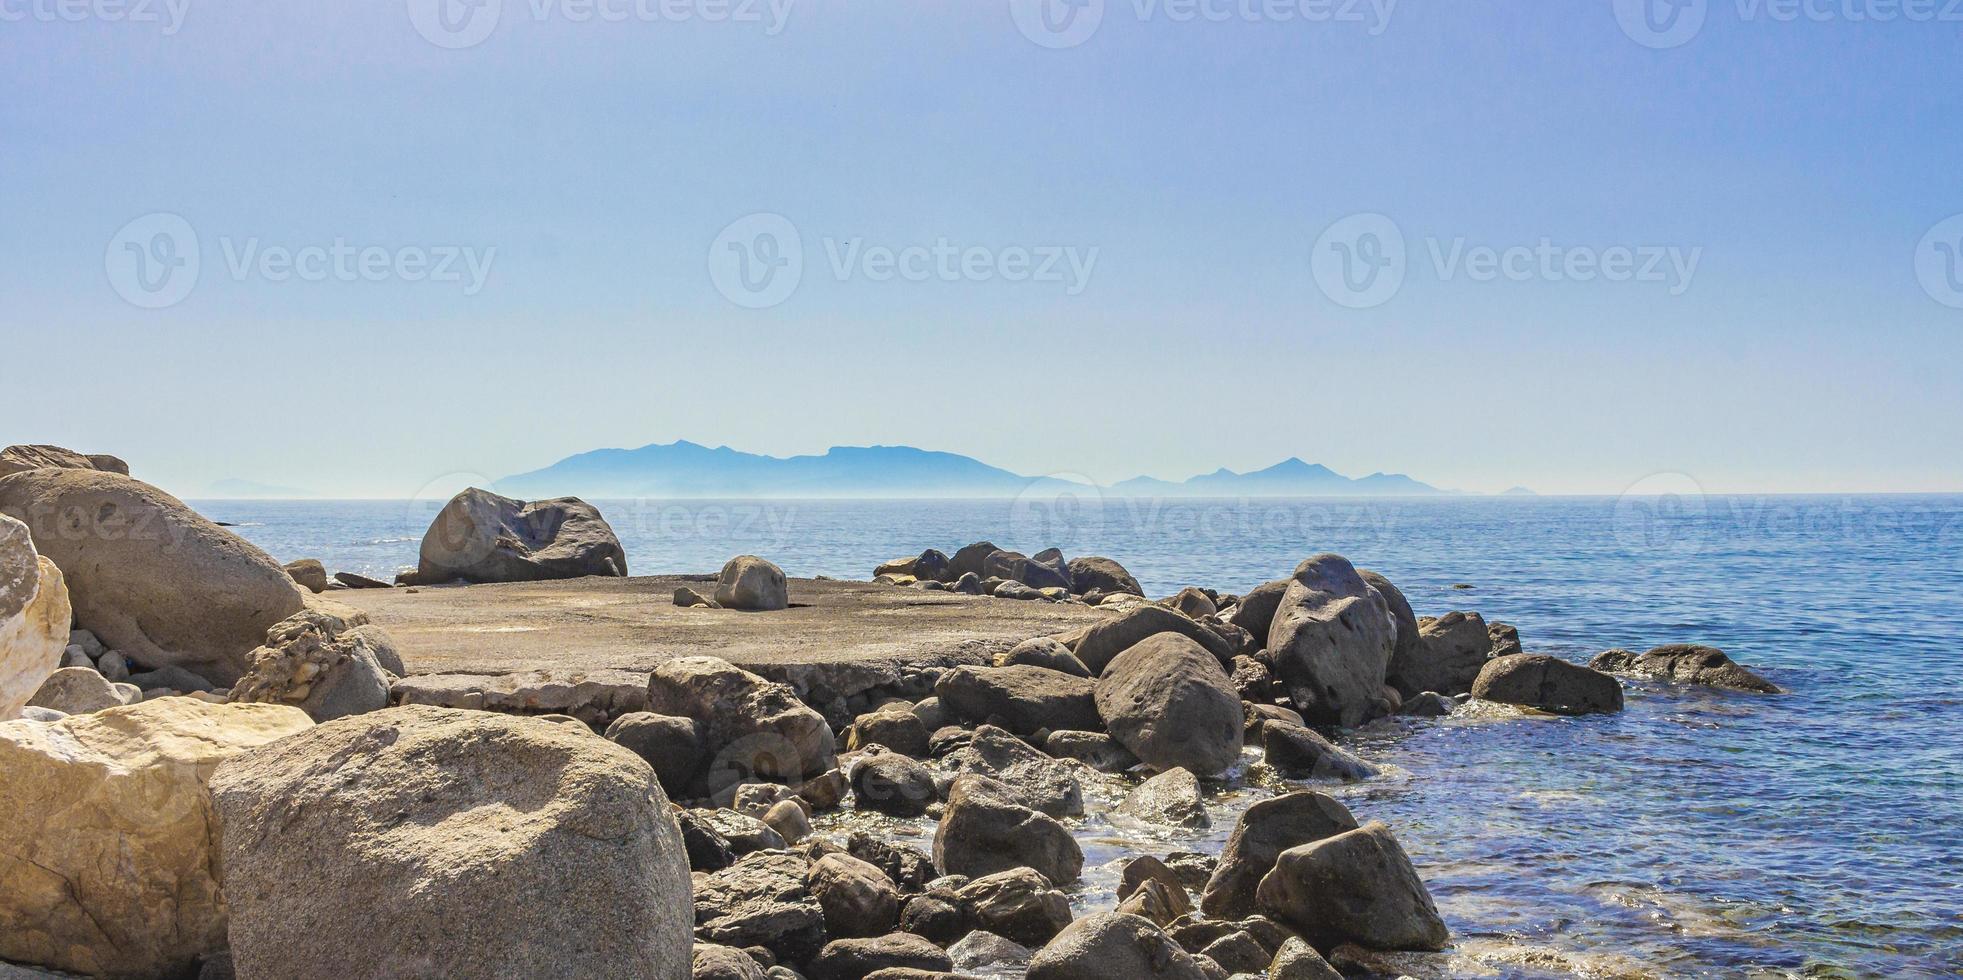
1696, 834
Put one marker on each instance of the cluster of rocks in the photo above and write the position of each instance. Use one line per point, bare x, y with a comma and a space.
983, 569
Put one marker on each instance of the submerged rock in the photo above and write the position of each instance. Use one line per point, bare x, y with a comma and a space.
1548, 684
1686, 664
480, 536
108, 861
381, 844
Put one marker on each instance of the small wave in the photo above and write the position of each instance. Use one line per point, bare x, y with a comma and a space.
390, 540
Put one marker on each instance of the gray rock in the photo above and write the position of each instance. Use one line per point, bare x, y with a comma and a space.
148, 575
1046, 652
743, 833
712, 962
1094, 749
1023, 699
596, 697
892, 784
1408, 645
1103, 642
671, 744
984, 950
909, 868
480, 536
985, 830
1256, 611
1040, 782
752, 584
854, 959
707, 849
789, 819
761, 900
1266, 830
77, 691
1356, 887
1686, 664
1449, 654
1297, 960
1300, 753
1193, 602
1171, 798
309, 573
1506, 639
1548, 684
1429, 704
170, 678
20, 459
1167, 700
688, 598
113, 666
755, 730
1019, 904
858, 899
1102, 575
896, 728
1331, 641
1113, 946
364, 847
1238, 952
76, 657
969, 560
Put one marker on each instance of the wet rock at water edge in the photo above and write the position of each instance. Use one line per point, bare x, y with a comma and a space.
1019, 904
1549, 684
1266, 830
1172, 798
1355, 887
985, 830
1113, 946
892, 784
1450, 652
1045, 784
858, 898
1686, 664
1300, 753
1331, 641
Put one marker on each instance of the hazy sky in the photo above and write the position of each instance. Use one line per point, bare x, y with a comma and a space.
432, 242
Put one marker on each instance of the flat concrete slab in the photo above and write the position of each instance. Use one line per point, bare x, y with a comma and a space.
837, 639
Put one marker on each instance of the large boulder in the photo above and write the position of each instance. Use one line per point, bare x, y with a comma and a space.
308, 573
755, 730
1046, 652
1447, 657
985, 830
1264, 831
1046, 570
80, 690
431, 841
20, 459
480, 536
34, 618
1356, 887
891, 783
1023, 699
1686, 664
1167, 700
752, 584
1093, 574
147, 575
1331, 641
1550, 684
108, 862
929, 564
1040, 782
327, 664
1104, 641
1113, 946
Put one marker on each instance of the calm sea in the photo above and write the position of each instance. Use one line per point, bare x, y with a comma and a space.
1698, 833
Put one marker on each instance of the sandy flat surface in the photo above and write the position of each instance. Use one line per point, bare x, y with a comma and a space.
633, 624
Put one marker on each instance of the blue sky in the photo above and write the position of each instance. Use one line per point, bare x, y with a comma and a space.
1128, 232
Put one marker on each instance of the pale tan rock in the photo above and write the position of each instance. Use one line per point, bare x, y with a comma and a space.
34, 617
108, 856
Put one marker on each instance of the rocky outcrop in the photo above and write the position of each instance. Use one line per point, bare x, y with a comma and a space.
421, 840
480, 536
1113, 946
146, 574
755, 730
1686, 664
752, 584
1356, 887
1024, 700
1266, 830
107, 837
20, 459
1104, 641
596, 697
1167, 700
985, 830
1093, 574
327, 664
1448, 655
34, 618
1544, 683
1331, 641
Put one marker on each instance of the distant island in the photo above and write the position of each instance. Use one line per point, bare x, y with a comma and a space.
685, 469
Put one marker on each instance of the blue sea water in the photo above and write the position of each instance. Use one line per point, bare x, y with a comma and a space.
1698, 833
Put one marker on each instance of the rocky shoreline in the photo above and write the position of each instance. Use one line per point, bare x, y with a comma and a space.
216, 768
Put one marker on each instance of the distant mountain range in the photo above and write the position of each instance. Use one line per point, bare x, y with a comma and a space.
684, 469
